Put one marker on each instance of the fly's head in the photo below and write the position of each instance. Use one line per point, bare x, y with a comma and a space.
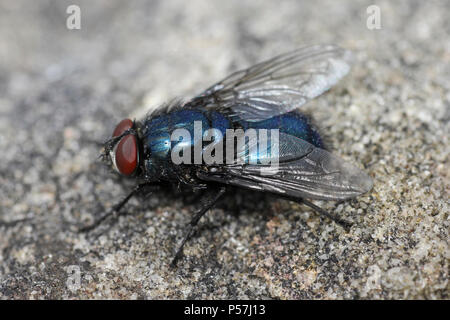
124, 150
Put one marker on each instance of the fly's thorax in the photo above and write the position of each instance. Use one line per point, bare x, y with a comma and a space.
179, 129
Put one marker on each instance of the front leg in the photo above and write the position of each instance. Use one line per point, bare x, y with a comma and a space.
115, 209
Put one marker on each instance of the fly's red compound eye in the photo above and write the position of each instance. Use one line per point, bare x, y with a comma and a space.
126, 157
123, 125
126, 151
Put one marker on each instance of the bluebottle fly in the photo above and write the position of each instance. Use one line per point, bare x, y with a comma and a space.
264, 96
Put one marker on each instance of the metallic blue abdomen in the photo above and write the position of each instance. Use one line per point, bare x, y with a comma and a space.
292, 123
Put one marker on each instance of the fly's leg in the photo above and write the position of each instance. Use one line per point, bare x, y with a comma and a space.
115, 209
193, 223
345, 224
10, 224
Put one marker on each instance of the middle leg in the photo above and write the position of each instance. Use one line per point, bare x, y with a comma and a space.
194, 221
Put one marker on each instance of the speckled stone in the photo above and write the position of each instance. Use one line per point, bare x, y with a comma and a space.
63, 91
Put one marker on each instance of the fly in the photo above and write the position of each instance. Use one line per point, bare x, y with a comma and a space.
265, 96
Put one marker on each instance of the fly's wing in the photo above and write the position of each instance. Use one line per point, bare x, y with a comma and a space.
278, 85
303, 171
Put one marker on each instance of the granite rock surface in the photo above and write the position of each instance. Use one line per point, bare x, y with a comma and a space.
62, 92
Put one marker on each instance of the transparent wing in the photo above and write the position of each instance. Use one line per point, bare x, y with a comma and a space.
303, 171
278, 85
